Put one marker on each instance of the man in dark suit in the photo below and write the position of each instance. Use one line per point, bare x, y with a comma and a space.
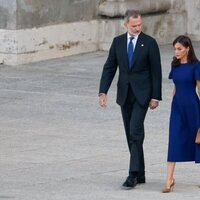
139, 86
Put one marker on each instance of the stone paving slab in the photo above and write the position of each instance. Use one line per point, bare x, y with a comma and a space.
57, 144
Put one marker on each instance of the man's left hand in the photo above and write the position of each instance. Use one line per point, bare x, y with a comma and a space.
153, 104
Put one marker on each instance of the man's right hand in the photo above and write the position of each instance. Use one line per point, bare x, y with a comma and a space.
103, 100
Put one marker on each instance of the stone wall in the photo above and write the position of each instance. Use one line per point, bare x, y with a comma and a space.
161, 19
34, 30
117, 8
37, 13
193, 19
23, 14
8, 14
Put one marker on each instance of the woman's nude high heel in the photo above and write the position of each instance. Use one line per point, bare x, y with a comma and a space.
169, 188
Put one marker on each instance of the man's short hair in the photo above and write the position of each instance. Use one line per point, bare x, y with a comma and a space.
131, 13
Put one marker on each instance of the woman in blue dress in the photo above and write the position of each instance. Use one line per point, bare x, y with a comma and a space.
185, 108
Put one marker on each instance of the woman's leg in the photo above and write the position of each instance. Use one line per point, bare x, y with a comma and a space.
170, 172
170, 177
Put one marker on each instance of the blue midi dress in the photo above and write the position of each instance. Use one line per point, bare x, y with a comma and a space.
185, 114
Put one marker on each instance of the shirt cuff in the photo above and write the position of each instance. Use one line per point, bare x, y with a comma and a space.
155, 100
101, 94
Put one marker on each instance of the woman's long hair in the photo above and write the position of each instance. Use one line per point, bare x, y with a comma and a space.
186, 42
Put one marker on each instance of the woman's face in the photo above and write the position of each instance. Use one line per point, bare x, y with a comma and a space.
181, 52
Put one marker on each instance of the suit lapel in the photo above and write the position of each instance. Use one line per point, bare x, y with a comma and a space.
124, 51
137, 48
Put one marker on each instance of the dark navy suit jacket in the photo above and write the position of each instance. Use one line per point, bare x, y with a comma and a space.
144, 77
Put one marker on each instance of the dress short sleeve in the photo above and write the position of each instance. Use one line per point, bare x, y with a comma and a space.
197, 71
170, 74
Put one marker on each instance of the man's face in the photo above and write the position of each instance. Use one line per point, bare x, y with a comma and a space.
134, 26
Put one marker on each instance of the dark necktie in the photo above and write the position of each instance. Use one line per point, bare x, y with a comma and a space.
130, 51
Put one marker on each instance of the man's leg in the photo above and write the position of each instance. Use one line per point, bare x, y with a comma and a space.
137, 165
126, 110
126, 115
133, 117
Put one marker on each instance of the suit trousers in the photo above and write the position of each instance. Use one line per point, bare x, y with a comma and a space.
133, 115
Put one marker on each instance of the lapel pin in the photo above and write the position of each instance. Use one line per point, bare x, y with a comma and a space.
142, 45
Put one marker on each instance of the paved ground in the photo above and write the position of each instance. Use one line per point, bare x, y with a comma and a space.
57, 144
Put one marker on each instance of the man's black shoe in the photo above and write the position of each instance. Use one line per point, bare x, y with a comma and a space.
129, 183
141, 179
